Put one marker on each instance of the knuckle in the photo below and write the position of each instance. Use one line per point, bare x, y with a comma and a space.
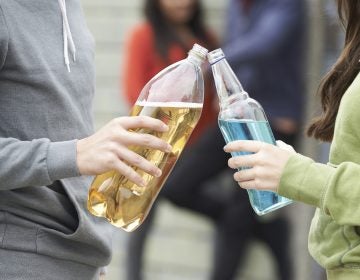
267, 148
236, 161
137, 160
112, 147
111, 160
257, 183
256, 172
260, 159
117, 121
115, 125
147, 140
142, 120
163, 145
128, 172
119, 136
233, 162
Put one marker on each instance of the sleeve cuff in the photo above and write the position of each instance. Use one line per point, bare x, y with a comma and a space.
61, 160
304, 180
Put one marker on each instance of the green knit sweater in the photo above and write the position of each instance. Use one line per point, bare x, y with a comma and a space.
334, 239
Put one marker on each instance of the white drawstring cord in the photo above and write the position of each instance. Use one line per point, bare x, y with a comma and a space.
67, 36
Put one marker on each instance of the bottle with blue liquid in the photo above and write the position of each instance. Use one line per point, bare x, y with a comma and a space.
242, 118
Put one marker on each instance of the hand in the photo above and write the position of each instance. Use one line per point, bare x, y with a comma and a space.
285, 125
108, 149
262, 169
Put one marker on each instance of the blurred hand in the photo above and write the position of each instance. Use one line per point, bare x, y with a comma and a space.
263, 168
108, 149
285, 125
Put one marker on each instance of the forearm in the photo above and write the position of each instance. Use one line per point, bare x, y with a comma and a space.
35, 163
335, 190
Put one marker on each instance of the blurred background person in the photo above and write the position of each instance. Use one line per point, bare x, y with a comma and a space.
265, 45
169, 32
168, 25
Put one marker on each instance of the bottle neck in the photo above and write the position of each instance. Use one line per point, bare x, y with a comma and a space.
227, 84
226, 102
197, 55
195, 59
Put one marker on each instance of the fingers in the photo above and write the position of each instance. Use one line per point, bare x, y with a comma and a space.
246, 178
244, 175
284, 146
242, 161
244, 146
129, 173
143, 122
146, 140
136, 160
248, 185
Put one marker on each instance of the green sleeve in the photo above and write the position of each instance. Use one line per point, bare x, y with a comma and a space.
335, 190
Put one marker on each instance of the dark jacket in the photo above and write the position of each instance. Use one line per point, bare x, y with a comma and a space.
265, 45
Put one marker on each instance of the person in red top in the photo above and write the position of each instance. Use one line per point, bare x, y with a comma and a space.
169, 32
152, 47
171, 29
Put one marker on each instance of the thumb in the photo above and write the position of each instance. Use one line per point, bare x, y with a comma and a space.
284, 146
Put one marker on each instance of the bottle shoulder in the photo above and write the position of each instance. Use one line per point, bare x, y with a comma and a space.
245, 108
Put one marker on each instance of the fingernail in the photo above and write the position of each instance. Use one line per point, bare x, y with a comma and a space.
158, 173
143, 183
165, 127
225, 148
168, 148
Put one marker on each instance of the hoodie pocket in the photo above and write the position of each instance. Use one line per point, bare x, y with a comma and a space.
16, 234
2, 227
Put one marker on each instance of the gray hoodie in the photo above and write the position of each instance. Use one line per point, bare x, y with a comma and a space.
44, 108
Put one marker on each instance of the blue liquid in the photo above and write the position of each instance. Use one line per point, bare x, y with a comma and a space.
262, 201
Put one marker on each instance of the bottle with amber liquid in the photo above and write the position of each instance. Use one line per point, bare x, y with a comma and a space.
175, 96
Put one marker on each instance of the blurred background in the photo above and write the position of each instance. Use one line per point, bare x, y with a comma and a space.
180, 244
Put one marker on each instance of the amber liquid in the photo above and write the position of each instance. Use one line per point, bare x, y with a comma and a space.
122, 202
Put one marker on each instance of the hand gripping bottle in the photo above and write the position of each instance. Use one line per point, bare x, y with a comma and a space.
242, 118
175, 96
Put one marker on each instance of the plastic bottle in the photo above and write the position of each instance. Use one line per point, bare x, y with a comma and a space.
175, 96
242, 118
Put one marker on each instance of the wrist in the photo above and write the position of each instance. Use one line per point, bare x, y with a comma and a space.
80, 162
61, 160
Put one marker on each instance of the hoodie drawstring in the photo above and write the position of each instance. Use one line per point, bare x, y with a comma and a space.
67, 37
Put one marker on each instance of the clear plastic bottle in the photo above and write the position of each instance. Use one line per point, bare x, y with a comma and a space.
175, 96
242, 118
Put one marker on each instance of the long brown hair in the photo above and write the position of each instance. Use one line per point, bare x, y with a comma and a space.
341, 75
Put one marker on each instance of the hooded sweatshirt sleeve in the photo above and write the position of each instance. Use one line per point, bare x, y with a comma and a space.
35, 163
32, 163
335, 187
4, 38
335, 190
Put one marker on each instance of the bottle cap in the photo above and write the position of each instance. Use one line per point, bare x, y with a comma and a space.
199, 51
215, 56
